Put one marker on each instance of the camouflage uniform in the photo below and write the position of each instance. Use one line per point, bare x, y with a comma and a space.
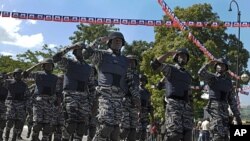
93, 120
146, 108
3, 96
29, 111
130, 111
112, 67
58, 116
179, 112
43, 99
78, 91
220, 96
18, 94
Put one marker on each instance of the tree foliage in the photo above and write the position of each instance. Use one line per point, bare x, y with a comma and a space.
8, 64
88, 33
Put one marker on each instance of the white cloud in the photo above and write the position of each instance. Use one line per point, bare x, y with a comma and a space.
52, 45
2, 6
6, 53
9, 31
31, 22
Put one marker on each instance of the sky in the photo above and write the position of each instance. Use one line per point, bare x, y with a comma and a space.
16, 36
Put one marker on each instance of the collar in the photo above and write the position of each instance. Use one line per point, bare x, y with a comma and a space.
179, 67
112, 52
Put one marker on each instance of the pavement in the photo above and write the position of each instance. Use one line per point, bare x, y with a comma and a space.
25, 130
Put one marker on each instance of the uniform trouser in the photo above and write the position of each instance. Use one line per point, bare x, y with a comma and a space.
2, 126
20, 133
179, 120
128, 133
42, 117
75, 129
29, 121
142, 131
37, 127
2, 118
57, 131
77, 111
16, 129
15, 116
109, 116
92, 131
219, 120
93, 121
129, 121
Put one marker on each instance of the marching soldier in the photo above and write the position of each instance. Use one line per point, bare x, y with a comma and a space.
18, 94
3, 96
58, 117
146, 108
130, 111
220, 90
78, 92
44, 96
112, 85
179, 114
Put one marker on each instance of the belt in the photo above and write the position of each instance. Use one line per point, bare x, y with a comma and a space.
113, 88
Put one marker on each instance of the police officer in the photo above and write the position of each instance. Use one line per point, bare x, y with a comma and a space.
29, 111
18, 94
94, 111
78, 91
44, 97
146, 108
112, 67
179, 114
220, 90
131, 103
58, 117
3, 96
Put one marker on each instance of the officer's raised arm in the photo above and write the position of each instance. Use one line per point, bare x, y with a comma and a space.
204, 74
156, 64
59, 55
27, 72
91, 51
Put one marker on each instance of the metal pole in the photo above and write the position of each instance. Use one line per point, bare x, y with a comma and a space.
238, 45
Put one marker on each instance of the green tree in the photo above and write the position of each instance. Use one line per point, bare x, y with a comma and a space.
137, 48
88, 33
219, 43
33, 57
8, 64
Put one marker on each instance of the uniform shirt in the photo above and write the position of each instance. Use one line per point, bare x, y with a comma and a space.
26, 94
96, 58
63, 63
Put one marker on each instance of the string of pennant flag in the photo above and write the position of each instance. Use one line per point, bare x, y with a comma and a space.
96, 20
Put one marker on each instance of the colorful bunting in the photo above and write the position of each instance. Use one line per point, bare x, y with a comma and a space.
96, 20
